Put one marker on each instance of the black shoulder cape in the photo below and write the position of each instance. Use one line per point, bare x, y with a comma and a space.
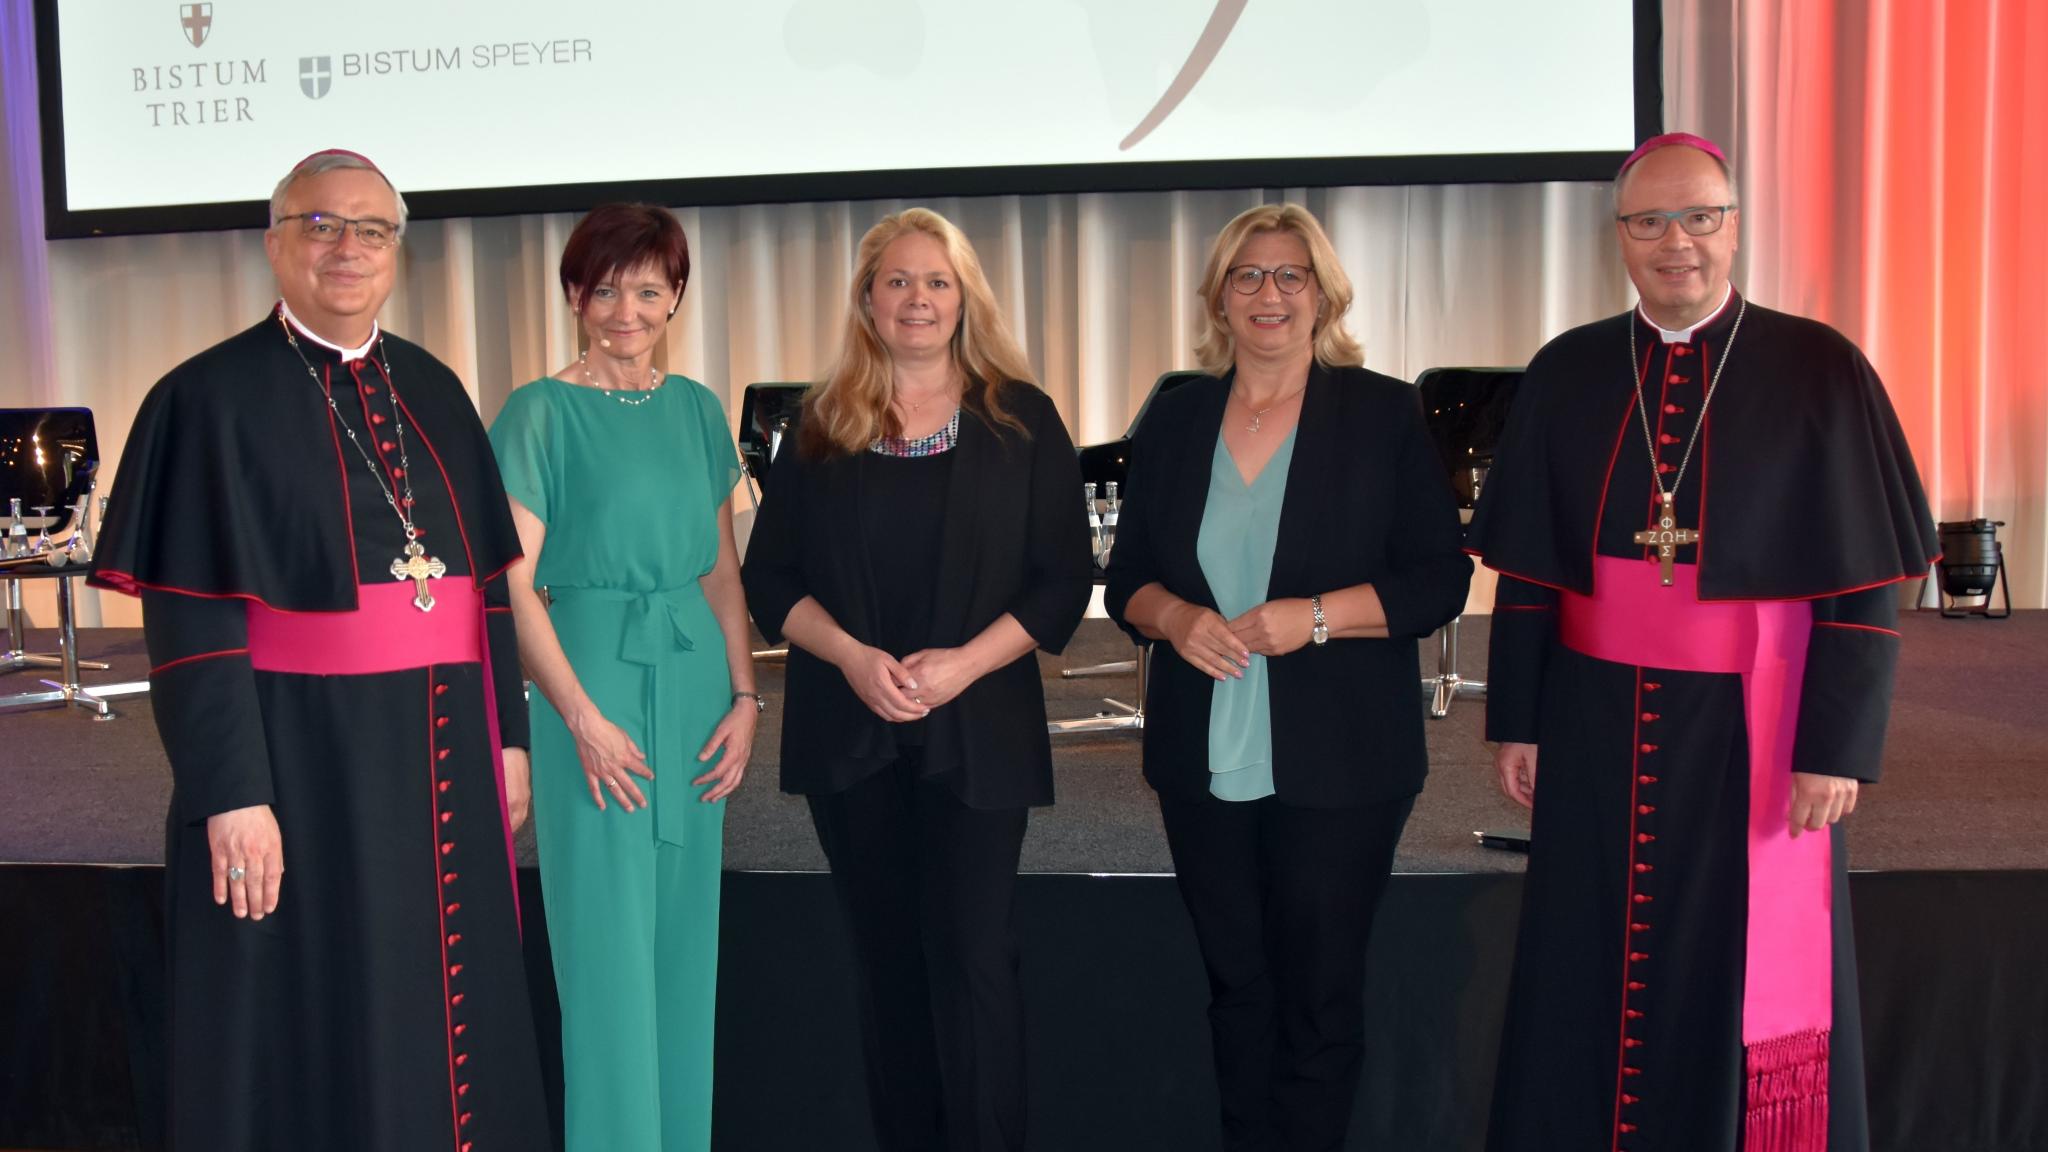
231, 480
1808, 485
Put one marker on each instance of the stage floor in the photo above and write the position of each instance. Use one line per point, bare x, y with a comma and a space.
1964, 787
1118, 1058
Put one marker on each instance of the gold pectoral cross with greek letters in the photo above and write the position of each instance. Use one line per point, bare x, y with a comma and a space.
1667, 538
418, 566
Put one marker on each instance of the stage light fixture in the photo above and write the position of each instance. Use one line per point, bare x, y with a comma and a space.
1972, 567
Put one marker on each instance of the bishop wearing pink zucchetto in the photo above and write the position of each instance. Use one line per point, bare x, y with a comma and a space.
1699, 513
313, 519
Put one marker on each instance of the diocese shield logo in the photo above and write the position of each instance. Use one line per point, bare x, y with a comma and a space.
316, 75
197, 20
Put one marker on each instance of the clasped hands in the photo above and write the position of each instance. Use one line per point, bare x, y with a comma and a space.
1223, 648
908, 689
1817, 800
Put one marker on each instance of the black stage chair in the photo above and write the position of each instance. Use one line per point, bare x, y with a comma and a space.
1466, 410
1104, 467
769, 415
49, 462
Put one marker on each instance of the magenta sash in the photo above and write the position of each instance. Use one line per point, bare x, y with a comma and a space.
1787, 1007
384, 634
387, 633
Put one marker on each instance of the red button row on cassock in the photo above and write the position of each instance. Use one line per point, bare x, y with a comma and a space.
1641, 868
453, 939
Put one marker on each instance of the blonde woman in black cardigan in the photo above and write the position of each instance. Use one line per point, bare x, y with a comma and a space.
923, 539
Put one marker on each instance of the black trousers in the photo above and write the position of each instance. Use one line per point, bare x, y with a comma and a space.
927, 886
1283, 901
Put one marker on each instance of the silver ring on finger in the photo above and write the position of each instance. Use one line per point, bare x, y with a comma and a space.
236, 873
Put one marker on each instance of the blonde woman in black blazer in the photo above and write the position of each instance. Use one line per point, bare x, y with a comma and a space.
917, 544
1284, 728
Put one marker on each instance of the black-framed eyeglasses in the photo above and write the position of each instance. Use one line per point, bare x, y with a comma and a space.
1697, 221
326, 228
1246, 279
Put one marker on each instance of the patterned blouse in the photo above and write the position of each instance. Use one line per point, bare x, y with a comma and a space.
941, 441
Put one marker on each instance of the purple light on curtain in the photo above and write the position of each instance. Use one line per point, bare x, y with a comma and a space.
24, 254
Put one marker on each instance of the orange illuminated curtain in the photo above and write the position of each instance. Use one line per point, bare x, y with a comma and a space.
1893, 161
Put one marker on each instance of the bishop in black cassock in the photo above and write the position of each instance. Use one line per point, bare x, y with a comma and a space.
312, 516
1706, 678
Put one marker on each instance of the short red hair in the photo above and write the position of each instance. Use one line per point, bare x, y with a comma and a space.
617, 238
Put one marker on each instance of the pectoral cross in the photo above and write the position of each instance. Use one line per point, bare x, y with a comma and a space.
1667, 538
418, 566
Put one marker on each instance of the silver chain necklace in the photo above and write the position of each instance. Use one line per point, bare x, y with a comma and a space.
415, 565
1259, 414
1667, 536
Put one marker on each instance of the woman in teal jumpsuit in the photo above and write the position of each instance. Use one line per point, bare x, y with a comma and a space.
646, 709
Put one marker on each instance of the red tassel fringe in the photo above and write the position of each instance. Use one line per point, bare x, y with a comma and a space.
1786, 1095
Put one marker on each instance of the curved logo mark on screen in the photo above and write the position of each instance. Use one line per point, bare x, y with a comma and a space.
1221, 21
197, 20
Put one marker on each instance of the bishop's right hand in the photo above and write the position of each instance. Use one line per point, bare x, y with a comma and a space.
248, 859
1516, 764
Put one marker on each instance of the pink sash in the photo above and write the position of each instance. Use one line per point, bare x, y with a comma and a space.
387, 633
1787, 1007
384, 634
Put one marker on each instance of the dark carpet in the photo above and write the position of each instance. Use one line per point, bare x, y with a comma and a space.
1966, 773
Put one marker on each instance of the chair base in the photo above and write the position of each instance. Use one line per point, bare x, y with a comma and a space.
67, 692
1447, 686
1121, 717
1443, 689
22, 661
94, 699
1113, 668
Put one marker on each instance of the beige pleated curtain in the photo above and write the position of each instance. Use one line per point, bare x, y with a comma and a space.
1836, 186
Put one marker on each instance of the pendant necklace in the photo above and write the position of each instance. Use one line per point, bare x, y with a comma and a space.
654, 383
1666, 536
1259, 414
415, 565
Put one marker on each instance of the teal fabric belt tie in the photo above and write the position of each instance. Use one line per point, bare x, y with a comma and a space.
652, 636
654, 629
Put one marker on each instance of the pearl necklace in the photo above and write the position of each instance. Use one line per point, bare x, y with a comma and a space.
654, 383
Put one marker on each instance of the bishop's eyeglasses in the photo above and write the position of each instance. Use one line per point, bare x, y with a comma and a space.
1697, 221
327, 228
1245, 279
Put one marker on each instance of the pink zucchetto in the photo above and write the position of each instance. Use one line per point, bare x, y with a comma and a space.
1682, 139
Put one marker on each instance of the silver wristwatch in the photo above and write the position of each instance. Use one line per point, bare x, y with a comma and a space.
760, 705
1321, 632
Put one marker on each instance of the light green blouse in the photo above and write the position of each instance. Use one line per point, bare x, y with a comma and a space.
1240, 525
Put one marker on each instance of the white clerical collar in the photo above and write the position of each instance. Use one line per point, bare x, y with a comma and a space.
346, 354
1684, 335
